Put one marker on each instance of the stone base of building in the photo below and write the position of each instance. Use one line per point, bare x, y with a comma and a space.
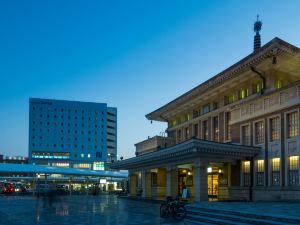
263, 194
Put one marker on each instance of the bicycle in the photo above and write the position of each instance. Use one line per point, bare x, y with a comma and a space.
173, 207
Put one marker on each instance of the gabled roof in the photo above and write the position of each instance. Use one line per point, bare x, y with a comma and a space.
275, 46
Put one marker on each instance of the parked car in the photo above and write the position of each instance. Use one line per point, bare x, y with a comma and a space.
19, 187
8, 188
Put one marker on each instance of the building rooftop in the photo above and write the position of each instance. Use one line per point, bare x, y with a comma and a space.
275, 47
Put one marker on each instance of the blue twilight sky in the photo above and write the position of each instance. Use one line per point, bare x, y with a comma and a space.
135, 55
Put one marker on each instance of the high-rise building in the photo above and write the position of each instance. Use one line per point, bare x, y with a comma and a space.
72, 133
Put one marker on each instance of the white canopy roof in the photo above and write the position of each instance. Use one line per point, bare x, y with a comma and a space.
29, 168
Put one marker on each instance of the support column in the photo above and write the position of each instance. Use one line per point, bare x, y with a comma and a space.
200, 181
146, 184
169, 180
132, 184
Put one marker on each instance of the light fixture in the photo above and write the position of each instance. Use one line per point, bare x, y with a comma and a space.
189, 173
209, 169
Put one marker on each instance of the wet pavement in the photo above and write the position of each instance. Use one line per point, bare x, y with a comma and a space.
79, 210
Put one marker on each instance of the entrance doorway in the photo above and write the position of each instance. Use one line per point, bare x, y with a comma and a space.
213, 182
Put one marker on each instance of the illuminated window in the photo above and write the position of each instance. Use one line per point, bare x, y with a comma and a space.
246, 135
292, 124
275, 164
258, 87
244, 92
89, 155
61, 164
246, 173
173, 123
187, 117
51, 155
260, 172
279, 84
259, 132
274, 128
215, 128
294, 170
98, 166
82, 155
82, 165
230, 98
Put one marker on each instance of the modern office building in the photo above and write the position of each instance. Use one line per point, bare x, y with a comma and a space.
72, 134
235, 136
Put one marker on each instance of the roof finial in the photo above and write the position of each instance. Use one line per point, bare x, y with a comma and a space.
257, 28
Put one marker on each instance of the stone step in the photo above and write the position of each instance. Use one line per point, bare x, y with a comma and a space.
197, 219
192, 222
268, 218
232, 218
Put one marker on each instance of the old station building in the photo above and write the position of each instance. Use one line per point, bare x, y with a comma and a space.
233, 137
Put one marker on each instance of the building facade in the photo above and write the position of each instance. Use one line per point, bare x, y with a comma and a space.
72, 134
14, 159
236, 136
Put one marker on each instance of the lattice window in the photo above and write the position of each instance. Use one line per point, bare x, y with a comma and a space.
294, 170
259, 132
260, 172
274, 128
246, 135
292, 124
275, 171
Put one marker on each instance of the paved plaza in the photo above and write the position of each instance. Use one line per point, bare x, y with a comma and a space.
111, 210
79, 210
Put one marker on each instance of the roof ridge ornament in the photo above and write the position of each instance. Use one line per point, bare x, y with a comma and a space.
257, 29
